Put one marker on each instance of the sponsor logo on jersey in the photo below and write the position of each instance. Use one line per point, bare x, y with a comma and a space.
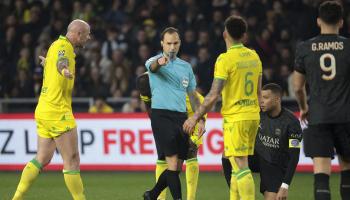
278, 131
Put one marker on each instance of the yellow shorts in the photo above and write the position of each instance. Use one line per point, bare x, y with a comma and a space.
54, 128
195, 139
239, 137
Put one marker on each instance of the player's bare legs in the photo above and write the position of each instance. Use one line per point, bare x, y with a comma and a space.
270, 195
344, 178
46, 148
322, 165
67, 144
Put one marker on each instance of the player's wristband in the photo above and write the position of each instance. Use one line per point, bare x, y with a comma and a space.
285, 186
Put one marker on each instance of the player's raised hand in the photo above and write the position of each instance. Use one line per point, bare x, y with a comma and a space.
42, 61
163, 60
189, 125
66, 73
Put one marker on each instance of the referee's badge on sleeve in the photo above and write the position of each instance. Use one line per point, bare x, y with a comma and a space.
294, 143
185, 82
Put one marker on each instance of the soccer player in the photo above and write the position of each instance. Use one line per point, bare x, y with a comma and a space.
237, 76
324, 63
170, 80
55, 122
192, 167
277, 145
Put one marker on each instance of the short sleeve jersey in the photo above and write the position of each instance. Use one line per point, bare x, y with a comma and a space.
241, 68
170, 84
325, 62
56, 93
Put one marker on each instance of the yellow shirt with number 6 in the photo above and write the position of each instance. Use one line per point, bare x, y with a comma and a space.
240, 67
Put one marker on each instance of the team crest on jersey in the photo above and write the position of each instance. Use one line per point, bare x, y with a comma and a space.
61, 53
278, 131
294, 143
185, 82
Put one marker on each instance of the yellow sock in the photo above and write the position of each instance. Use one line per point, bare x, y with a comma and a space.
74, 184
29, 174
192, 171
245, 183
234, 195
161, 166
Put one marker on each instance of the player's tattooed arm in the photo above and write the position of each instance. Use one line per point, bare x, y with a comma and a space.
211, 98
194, 100
62, 67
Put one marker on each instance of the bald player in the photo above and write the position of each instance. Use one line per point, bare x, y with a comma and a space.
54, 118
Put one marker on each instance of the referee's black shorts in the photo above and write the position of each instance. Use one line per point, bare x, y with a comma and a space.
168, 133
320, 140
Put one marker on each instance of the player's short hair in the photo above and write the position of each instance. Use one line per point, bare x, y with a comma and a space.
331, 12
169, 30
142, 84
275, 89
236, 26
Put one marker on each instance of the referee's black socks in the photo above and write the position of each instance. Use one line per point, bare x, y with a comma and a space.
160, 185
321, 187
174, 184
345, 184
227, 168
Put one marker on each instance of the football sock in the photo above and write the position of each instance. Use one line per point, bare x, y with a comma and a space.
74, 184
321, 187
174, 184
234, 192
29, 174
192, 171
161, 166
160, 185
245, 184
227, 168
345, 184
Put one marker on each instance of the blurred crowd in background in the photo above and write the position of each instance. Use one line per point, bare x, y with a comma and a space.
125, 33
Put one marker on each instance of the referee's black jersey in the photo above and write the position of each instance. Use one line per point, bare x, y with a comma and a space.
325, 62
276, 135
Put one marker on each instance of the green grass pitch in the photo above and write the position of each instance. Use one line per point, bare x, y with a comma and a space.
131, 185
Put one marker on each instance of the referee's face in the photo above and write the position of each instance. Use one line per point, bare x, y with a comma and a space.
171, 44
269, 101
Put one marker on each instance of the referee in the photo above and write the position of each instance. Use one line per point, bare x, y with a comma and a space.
277, 145
170, 79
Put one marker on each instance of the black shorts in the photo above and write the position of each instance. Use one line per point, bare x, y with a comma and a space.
271, 175
168, 133
320, 140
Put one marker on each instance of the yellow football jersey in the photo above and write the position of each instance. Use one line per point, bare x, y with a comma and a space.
56, 93
241, 68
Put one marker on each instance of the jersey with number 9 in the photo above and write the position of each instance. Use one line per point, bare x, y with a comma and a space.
325, 62
240, 67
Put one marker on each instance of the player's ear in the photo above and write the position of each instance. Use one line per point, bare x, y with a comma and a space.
161, 43
341, 23
319, 22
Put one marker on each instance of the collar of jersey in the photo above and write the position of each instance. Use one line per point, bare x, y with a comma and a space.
65, 38
239, 45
